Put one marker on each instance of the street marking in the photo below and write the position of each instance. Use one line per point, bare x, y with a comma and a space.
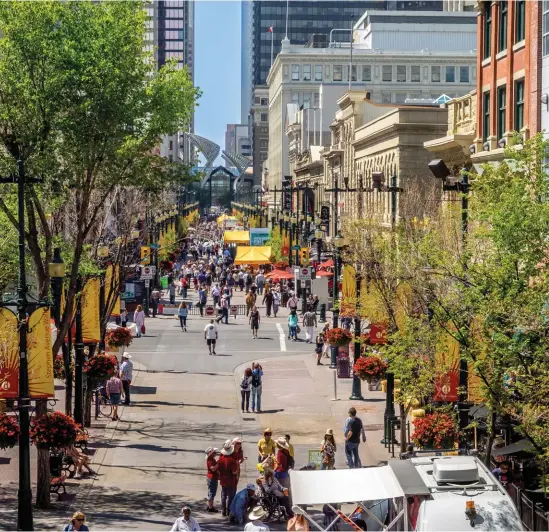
282, 337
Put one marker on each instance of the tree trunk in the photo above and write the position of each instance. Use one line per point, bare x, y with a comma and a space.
43, 499
68, 378
490, 442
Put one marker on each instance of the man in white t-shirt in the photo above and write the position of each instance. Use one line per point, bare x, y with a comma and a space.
210, 335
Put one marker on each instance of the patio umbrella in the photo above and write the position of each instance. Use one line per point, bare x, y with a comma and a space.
277, 275
327, 264
324, 273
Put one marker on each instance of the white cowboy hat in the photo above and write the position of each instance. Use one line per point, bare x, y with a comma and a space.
283, 443
329, 432
257, 513
126, 355
238, 439
228, 449
211, 450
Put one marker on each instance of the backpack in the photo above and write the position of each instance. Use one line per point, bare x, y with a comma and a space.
291, 462
244, 383
256, 380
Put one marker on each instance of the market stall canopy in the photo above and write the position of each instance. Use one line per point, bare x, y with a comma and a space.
327, 264
276, 275
253, 255
344, 485
236, 237
324, 273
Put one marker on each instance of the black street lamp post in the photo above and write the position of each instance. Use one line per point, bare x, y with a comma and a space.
356, 394
79, 359
338, 243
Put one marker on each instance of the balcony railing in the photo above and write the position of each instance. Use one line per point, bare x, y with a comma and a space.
462, 114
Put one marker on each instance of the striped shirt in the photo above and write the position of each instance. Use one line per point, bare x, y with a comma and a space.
126, 370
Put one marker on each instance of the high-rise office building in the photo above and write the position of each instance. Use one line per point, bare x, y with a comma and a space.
170, 35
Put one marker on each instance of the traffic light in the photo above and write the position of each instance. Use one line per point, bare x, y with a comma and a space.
145, 255
304, 257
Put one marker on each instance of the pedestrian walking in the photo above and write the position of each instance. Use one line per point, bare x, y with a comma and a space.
216, 294
268, 299
224, 309
139, 320
202, 299
228, 470
260, 282
210, 335
76, 523
254, 321
257, 385
292, 302
246, 389
212, 478
126, 375
325, 347
250, 302
328, 448
292, 325
124, 318
353, 429
114, 390
184, 286
265, 446
309, 323
171, 290
183, 312
185, 522
155, 300
319, 347
276, 301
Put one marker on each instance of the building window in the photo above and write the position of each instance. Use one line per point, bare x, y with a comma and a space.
450, 74
401, 74
485, 116
316, 100
306, 100
519, 105
285, 71
387, 73
264, 101
295, 98
386, 97
366, 72
545, 30
520, 20
400, 97
318, 72
295, 72
502, 110
502, 29
415, 74
257, 100
264, 117
171, 144
487, 43
353, 72
338, 73
464, 74
306, 72
435, 74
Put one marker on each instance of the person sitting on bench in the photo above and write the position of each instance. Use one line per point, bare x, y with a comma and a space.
80, 460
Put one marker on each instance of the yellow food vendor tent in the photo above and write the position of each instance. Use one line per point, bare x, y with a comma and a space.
236, 237
253, 256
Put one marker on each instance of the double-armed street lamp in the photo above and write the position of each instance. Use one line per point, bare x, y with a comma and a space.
339, 242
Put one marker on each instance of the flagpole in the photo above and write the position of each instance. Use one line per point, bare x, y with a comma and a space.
272, 45
351, 58
287, 9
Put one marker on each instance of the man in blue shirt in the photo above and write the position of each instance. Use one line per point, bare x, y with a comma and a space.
353, 429
242, 501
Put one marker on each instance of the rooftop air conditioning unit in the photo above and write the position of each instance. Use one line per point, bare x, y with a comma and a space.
459, 469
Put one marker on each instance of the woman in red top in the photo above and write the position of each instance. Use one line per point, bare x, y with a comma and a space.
282, 455
238, 454
212, 477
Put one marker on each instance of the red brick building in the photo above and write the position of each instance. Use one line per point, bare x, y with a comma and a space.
508, 74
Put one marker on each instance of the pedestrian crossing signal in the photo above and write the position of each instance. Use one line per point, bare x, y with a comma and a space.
145, 255
304, 256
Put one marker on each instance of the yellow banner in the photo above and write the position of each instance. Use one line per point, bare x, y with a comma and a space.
371, 303
90, 312
348, 289
112, 288
40, 355
9, 355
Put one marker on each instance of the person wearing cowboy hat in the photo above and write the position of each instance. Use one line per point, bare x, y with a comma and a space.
126, 374
76, 523
238, 453
228, 476
185, 522
265, 446
255, 524
282, 462
242, 502
212, 477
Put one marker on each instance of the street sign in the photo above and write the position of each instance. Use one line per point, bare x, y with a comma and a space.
296, 248
304, 274
147, 272
154, 246
210, 311
234, 310
147, 283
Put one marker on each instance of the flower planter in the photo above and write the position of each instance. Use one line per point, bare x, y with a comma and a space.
9, 431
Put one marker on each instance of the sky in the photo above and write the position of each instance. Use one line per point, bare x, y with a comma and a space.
217, 67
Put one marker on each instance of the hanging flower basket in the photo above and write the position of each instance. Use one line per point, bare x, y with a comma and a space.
435, 431
166, 266
119, 337
101, 367
9, 431
370, 368
338, 337
53, 430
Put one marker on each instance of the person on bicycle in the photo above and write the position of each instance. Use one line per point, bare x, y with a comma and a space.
269, 485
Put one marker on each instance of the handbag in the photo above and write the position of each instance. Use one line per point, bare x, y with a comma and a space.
143, 329
298, 329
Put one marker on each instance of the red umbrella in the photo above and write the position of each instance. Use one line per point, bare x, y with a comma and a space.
323, 273
277, 275
327, 264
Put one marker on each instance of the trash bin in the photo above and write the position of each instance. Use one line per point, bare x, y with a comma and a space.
164, 282
343, 367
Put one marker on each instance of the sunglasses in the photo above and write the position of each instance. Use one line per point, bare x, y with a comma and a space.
268, 434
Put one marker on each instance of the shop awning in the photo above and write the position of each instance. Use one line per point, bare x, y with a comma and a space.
344, 485
253, 255
324, 273
236, 237
521, 446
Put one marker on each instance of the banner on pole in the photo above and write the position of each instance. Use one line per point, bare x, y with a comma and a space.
90, 312
9, 355
39, 350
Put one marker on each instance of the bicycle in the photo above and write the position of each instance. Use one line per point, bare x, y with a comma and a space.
102, 403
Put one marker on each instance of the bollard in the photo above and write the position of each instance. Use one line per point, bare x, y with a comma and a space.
322, 317
335, 387
96, 403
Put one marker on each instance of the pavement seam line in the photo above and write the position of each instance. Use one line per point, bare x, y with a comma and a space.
282, 336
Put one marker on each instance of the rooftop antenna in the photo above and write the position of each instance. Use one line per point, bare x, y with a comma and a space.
351, 57
287, 10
